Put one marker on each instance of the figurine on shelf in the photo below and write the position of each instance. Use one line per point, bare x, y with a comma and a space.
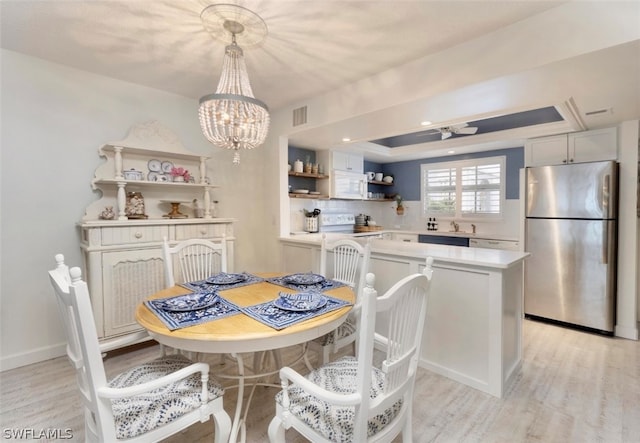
108, 213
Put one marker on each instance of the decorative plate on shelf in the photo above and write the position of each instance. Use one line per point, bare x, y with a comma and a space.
189, 302
226, 279
166, 167
153, 176
303, 279
155, 165
303, 301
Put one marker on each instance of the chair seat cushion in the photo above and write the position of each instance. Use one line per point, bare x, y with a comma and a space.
344, 330
142, 413
335, 423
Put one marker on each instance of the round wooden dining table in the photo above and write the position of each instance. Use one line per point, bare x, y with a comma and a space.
240, 333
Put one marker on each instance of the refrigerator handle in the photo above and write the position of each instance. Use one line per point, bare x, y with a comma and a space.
605, 242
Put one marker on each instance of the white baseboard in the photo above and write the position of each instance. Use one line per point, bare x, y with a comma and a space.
626, 332
33, 356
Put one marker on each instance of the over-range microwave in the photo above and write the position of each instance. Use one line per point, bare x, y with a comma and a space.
348, 185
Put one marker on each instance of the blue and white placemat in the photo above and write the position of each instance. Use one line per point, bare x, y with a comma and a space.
269, 314
324, 285
181, 319
203, 285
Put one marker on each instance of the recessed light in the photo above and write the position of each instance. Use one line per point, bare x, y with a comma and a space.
346, 139
425, 123
451, 152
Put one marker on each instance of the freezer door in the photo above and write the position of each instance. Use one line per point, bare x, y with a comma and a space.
580, 190
571, 273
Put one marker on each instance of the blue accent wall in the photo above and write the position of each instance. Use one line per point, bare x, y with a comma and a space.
407, 174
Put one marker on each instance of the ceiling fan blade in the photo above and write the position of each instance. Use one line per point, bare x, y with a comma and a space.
445, 135
427, 132
467, 130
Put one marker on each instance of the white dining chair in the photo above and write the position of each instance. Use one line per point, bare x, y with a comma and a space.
350, 266
146, 403
197, 259
351, 399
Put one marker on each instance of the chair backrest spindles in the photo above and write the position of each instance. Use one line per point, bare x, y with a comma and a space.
196, 259
350, 262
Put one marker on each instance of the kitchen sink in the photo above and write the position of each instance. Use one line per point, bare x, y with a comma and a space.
461, 233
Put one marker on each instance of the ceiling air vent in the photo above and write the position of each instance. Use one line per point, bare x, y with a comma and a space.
599, 112
300, 116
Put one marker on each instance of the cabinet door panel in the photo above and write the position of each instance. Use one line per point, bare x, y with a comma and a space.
300, 258
546, 151
129, 277
344, 161
594, 145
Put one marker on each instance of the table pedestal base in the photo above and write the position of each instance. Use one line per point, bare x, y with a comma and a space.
259, 371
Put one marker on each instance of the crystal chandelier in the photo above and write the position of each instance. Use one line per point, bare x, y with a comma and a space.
232, 117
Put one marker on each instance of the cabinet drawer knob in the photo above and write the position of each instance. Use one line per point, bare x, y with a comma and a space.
203, 231
138, 234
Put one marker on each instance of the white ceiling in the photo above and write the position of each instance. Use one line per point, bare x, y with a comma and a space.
312, 47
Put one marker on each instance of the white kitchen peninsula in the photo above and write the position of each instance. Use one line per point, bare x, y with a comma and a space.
473, 332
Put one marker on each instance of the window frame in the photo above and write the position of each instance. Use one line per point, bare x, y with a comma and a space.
458, 165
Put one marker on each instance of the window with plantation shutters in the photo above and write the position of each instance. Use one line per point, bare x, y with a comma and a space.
467, 188
440, 191
481, 186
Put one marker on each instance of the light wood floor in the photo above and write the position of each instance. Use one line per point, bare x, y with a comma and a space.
573, 387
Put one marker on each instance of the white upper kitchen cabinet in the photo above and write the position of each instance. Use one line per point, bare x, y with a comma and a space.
576, 147
346, 161
596, 145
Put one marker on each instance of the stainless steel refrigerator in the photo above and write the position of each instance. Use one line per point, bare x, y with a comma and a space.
571, 233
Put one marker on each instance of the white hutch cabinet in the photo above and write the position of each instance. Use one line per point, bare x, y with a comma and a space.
122, 256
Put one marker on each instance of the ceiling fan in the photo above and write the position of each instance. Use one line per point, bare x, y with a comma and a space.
462, 128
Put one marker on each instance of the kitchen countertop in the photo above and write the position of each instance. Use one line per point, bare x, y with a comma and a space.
486, 236
480, 257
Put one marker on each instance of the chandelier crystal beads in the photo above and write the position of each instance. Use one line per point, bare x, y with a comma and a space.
232, 118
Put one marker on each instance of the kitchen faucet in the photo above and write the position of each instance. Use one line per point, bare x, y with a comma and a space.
455, 226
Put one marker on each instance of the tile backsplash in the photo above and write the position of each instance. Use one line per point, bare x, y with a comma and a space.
384, 213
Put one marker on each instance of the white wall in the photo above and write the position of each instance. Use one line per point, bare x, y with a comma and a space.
54, 119
628, 307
